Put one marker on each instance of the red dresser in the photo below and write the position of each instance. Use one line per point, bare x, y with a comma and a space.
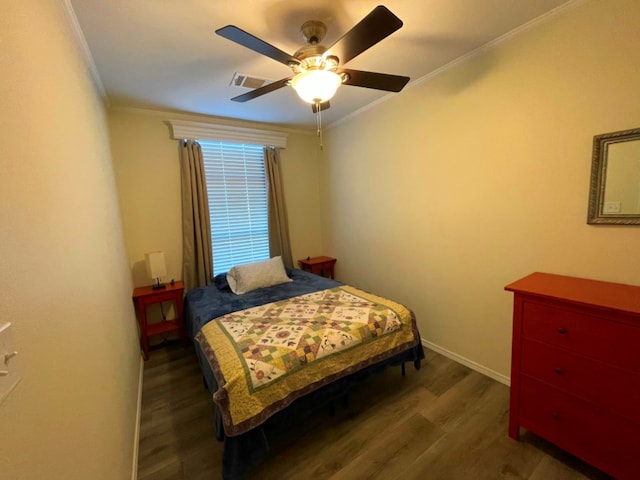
575, 368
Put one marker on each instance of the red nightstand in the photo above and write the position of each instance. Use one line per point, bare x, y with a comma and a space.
318, 265
144, 296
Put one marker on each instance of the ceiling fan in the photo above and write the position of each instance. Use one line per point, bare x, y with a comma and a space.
317, 70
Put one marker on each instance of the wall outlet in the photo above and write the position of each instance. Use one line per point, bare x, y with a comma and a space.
9, 362
611, 207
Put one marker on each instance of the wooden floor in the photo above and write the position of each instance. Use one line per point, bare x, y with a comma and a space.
444, 421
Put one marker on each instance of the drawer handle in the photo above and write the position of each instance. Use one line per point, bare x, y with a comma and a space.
562, 330
559, 371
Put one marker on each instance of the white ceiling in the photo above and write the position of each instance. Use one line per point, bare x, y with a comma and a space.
163, 54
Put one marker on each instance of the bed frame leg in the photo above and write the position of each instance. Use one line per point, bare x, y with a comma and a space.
403, 371
417, 364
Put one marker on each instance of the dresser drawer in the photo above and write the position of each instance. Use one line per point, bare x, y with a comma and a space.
589, 335
604, 440
610, 387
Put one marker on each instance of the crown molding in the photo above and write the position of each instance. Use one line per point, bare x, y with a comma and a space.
208, 119
84, 49
545, 17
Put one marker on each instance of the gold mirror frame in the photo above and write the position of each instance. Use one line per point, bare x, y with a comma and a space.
600, 167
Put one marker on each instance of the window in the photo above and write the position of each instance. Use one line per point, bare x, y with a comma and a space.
237, 192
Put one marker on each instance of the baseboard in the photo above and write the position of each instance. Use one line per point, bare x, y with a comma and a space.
136, 434
468, 363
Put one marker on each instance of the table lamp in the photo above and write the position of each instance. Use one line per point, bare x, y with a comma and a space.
156, 268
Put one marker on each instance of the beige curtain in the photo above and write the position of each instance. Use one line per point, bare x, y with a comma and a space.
278, 226
197, 257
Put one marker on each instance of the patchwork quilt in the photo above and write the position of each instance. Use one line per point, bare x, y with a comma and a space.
267, 356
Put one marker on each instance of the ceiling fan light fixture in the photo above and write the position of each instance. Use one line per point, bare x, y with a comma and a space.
314, 86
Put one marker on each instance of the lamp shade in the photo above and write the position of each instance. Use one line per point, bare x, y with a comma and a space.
316, 85
156, 265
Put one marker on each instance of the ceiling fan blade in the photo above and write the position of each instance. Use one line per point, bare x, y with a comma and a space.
323, 106
378, 81
239, 36
379, 24
262, 90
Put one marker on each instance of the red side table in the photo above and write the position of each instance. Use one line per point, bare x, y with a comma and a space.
144, 296
318, 265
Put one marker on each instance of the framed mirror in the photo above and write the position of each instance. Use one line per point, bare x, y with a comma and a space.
614, 194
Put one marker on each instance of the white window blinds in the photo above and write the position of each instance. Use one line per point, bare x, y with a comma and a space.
237, 191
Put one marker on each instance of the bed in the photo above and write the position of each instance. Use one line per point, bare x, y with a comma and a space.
273, 355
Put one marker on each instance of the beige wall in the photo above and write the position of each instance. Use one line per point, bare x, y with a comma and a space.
65, 285
480, 176
148, 177
147, 172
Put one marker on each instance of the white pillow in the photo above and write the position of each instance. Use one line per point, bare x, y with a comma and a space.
245, 278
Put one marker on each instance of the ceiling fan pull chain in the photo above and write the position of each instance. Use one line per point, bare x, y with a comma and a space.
319, 121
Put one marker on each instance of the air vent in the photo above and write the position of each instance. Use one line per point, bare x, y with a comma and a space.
248, 81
